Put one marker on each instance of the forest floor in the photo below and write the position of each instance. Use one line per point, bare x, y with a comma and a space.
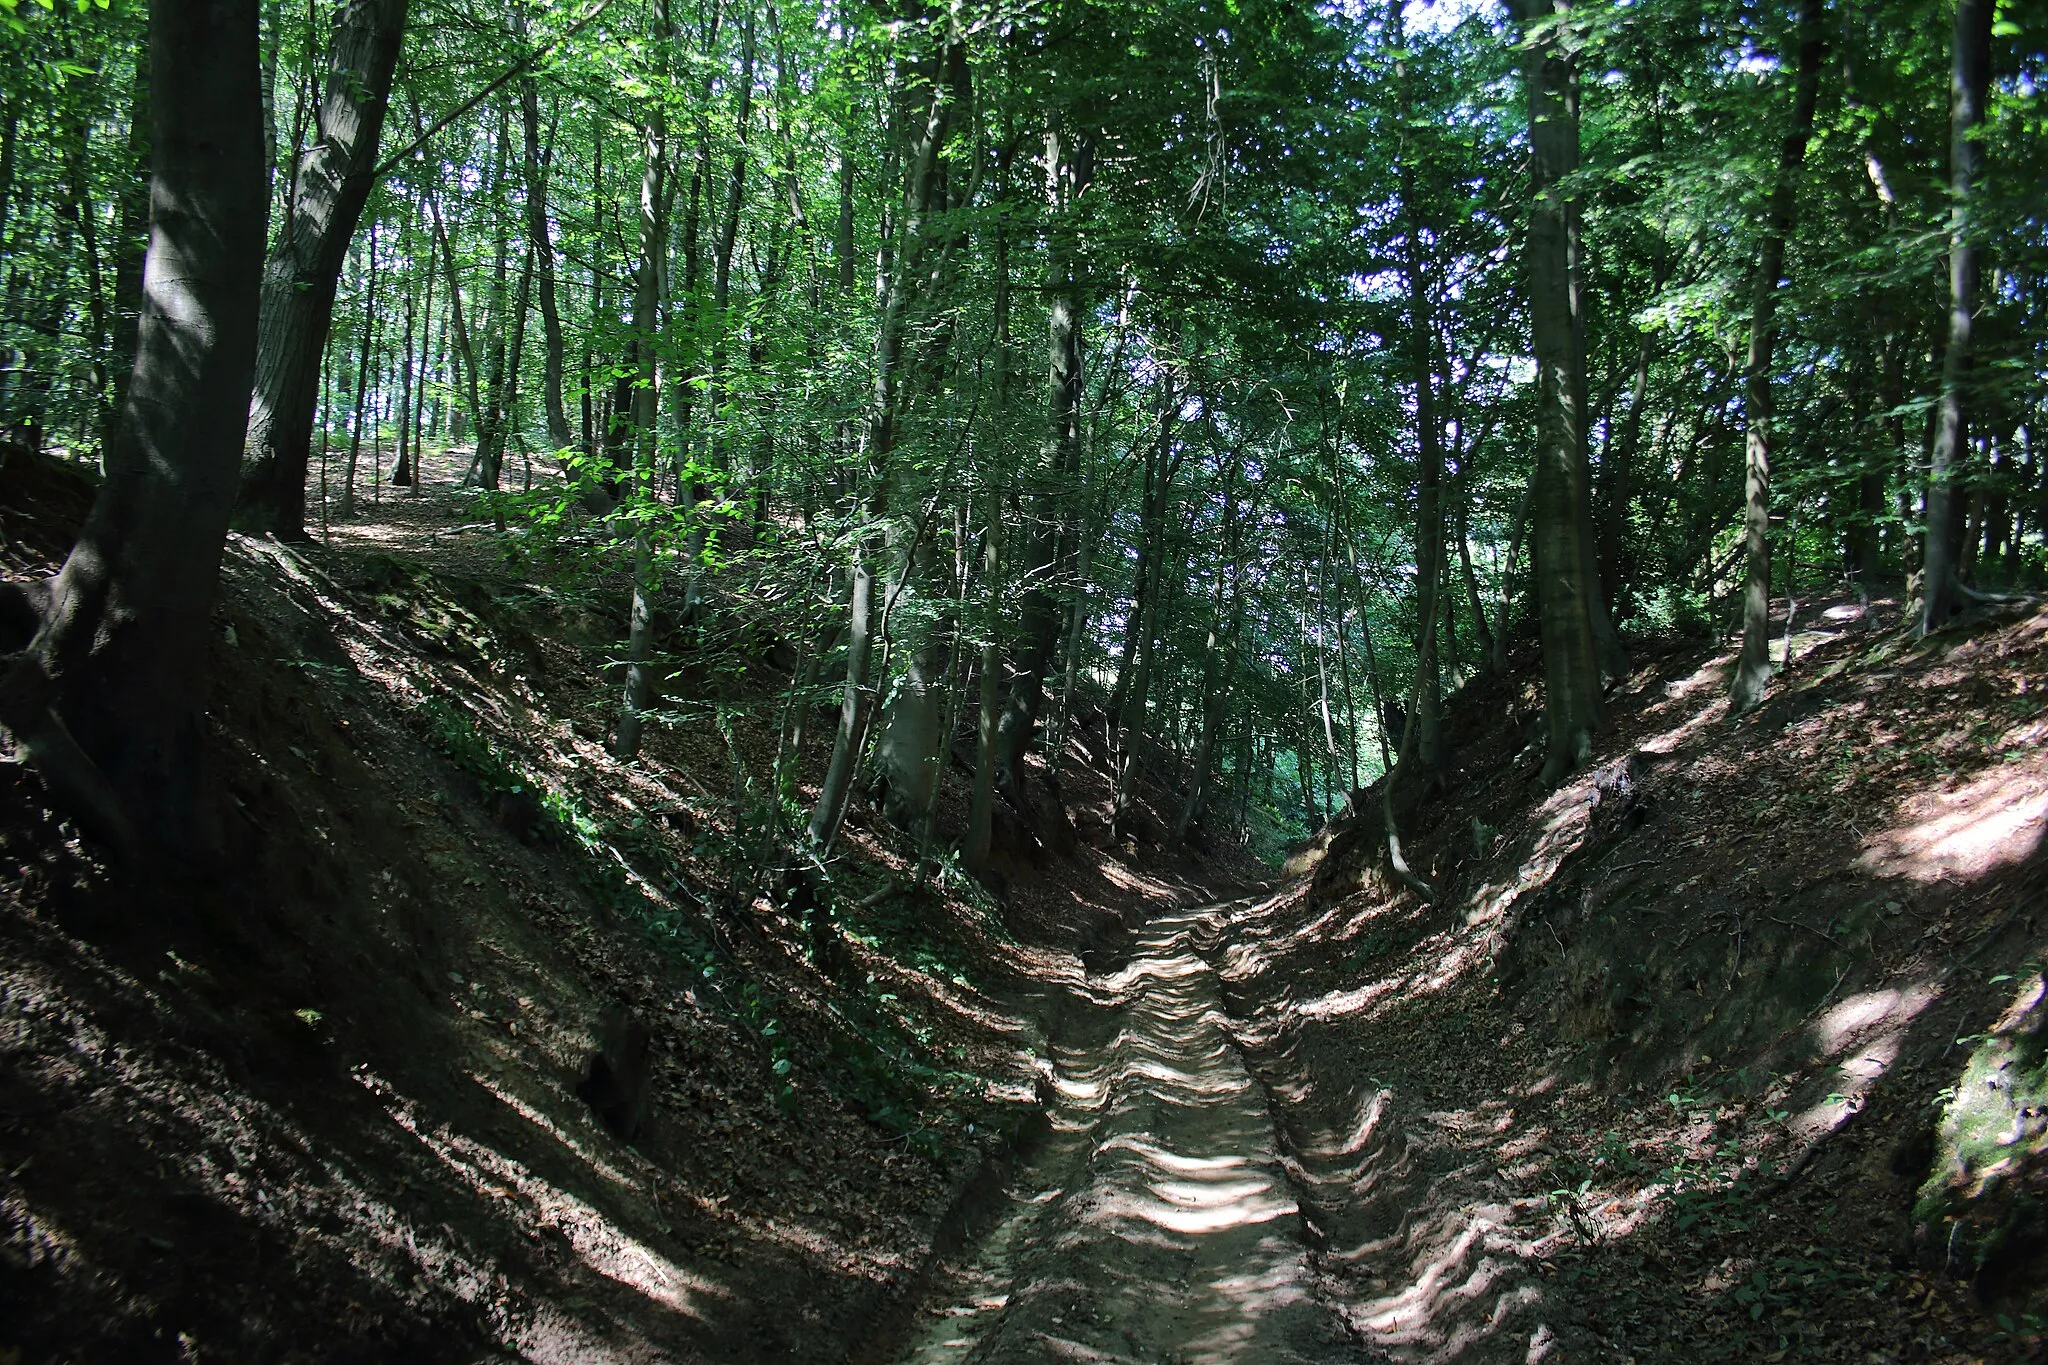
1656, 1076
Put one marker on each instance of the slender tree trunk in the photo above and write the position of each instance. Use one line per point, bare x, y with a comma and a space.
1969, 85
1429, 514
10, 142
401, 471
84, 218
542, 249
463, 354
1219, 658
898, 284
1753, 668
429, 349
108, 698
1070, 162
981, 805
367, 344
646, 328
330, 184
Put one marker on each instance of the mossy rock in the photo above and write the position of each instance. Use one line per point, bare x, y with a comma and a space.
1982, 1203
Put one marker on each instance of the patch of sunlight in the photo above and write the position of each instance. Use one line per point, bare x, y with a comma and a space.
1198, 1209
554, 1338
1337, 1004
1996, 821
1850, 1084
1860, 1016
1361, 1132
1415, 1307
597, 1241
553, 1130
1862, 1036
1709, 676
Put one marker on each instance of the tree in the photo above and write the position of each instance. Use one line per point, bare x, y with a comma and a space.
108, 696
330, 182
1753, 668
1969, 82
1573, 708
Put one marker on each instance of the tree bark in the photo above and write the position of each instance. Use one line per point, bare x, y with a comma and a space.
331, 182
133, 231
1429, 460
1573, 705
1219, 658
1969, 85
107, 700
368, 343
1753, 667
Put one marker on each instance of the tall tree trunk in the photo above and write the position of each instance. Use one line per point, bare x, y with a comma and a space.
1969, 84
108, 698
542, 248
463, 354
1070, 161
646, 328
1219, 658
487, 465
330, 183
429, 349
401, 471
10, 143
1753, 668
78, 200
1128, 700
981, 805
1573, 705
899, 284
1429, 460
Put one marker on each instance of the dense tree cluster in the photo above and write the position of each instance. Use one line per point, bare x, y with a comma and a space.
1243, 374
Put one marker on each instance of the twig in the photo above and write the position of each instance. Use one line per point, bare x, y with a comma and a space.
1794, 924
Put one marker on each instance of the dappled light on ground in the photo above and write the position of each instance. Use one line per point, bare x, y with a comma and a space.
1160, 1222
1617, 1091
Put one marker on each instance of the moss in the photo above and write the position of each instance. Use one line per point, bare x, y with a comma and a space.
1992, 1137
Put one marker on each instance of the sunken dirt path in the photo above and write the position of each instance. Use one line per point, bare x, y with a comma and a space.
1156, 1224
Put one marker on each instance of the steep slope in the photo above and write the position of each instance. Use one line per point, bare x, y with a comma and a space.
1679, 1064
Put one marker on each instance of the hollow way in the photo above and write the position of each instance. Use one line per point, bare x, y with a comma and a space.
1156, 1225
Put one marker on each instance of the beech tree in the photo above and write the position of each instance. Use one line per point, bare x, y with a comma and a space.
107, 695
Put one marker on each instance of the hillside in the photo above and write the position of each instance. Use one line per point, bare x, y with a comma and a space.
1726, 1049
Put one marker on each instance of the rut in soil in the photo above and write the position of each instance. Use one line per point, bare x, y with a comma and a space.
1157, 1223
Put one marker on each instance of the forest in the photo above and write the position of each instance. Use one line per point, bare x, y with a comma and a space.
1226, 445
